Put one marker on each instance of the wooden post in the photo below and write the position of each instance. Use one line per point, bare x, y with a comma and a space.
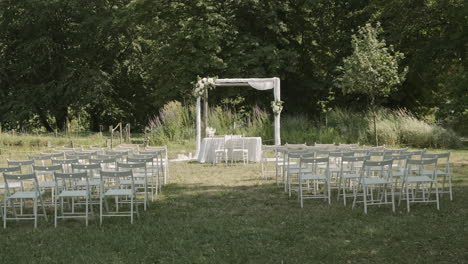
205, 112
127, 133
198, 127
120, 124
111, 130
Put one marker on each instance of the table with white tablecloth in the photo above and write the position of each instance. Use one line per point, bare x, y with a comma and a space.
209, 145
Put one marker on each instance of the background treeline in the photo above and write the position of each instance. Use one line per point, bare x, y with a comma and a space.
93, 63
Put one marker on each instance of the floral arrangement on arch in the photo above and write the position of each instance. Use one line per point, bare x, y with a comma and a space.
202, 85
277, 106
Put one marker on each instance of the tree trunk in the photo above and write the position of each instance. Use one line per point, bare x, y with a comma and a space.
375, 128
45, 122
61, 118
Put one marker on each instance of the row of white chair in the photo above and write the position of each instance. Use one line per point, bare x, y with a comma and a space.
357, 171
87, 177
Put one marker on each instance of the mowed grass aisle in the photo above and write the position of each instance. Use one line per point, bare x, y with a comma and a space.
230, 215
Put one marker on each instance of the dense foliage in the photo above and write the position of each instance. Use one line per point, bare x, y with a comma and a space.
100, 62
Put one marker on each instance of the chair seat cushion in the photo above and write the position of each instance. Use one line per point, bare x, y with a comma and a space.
240, 150
118, 192
47, 184
419, 179
25, 195
91, 183
77, 193
303, 170
129, 182
291, 164
339, 170
429, 172
371, 181
10, 185
351, 176
313, 177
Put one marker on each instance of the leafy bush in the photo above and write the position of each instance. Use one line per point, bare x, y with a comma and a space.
176, 123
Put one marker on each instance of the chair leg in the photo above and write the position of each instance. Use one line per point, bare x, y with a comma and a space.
344, 194
55, 211
4, 212
365, 199
407, 198
355, 196
35, 212
86, 210
131, 209
437, 195
450, 185
100, 210
300, 194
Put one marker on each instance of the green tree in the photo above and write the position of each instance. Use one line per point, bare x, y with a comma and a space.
372, 69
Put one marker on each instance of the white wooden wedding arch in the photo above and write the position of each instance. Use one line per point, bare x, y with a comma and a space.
256, 83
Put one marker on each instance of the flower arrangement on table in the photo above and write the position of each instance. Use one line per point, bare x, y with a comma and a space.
202, 85
210, 132
277, 106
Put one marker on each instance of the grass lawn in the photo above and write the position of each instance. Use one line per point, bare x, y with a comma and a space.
230, 215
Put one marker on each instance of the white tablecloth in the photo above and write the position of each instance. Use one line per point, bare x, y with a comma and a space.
208, 146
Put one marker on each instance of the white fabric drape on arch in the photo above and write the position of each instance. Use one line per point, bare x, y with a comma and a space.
256, 83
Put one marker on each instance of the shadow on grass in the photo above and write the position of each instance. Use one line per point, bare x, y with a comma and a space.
197, 223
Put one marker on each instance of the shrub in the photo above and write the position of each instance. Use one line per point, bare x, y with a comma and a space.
176, 123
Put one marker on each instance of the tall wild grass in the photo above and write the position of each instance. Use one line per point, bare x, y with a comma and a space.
176, 123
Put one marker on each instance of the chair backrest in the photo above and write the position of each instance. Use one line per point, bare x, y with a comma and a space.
10, 169
423, 167
116, 156
20, 162
295, 146
60, 154
415, 153
361, 152
115, 177
151, 152
324, 145
116, 174
119, 153
445, 155
383, 168
316, 164
64, 161
352, 163
85, 156
140, 159
394, 151
68, 179
300, 154
87, 152
70, 149
138, 165
322, 153
26, 165
41, 158
48, 168
92, 169
237, 143
21, 178
349, 145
